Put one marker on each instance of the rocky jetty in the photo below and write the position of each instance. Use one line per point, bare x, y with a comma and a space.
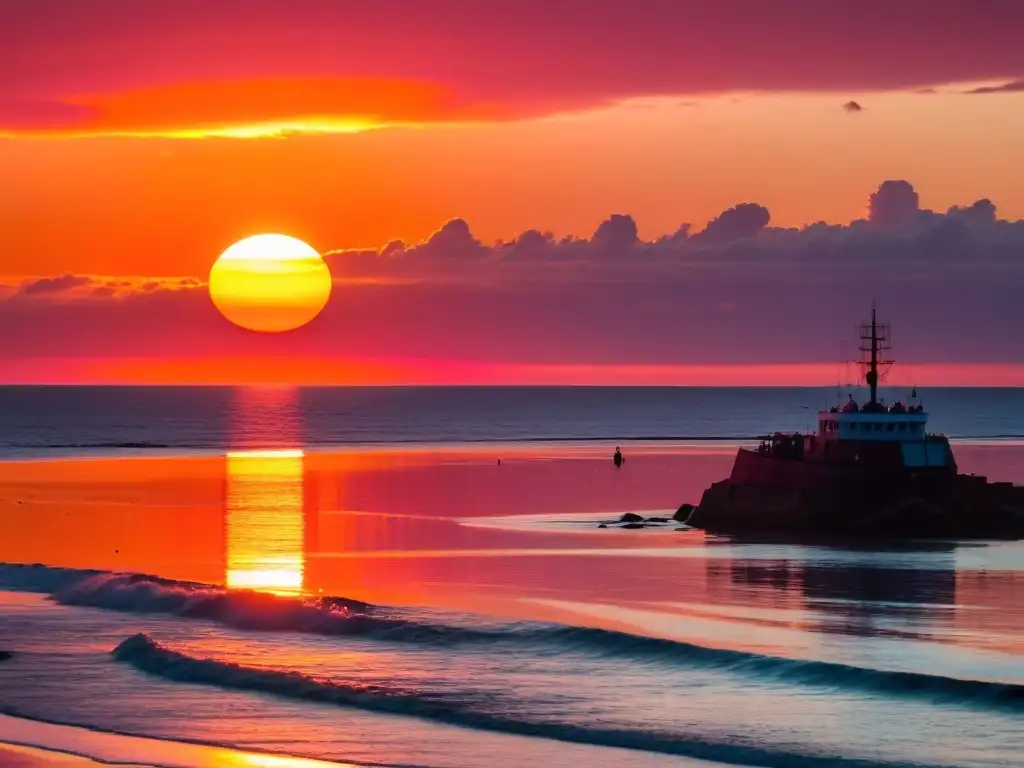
683, 513
959, 507
632, 521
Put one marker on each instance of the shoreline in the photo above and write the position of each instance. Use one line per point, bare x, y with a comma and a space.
22, 756
53, 744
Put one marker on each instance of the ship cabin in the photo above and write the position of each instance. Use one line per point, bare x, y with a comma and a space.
872, 436
896, 423
873, 433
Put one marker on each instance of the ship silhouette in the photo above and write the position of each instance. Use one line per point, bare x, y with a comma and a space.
869, 470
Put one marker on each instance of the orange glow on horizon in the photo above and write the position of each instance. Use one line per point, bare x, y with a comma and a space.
263, 107
328, 371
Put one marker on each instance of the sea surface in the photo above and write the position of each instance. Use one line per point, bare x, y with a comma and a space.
415, 577
68, 420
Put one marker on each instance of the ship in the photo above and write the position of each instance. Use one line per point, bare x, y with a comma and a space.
870, 470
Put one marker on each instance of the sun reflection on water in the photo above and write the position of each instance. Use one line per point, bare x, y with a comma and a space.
265, 525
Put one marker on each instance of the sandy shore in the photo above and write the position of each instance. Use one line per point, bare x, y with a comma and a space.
30, 757
63, 746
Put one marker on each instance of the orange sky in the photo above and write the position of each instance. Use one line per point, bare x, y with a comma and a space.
130, 164
168, 206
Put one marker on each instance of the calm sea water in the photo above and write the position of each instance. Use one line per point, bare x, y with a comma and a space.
45, 420
404, 605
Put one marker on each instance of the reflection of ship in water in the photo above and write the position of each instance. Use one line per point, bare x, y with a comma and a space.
866, 592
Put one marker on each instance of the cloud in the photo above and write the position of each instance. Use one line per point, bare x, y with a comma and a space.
743, 221
853, 106
245, 107
72, 287
897, 235
893, 204
453, 240
1014, 86
52, 284
616, 233
737, 292
980, 213
193, 64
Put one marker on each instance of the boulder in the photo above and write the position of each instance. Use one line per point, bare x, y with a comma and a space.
633, 525
631, 517
683, 513
603, 525
5, 655
657, 519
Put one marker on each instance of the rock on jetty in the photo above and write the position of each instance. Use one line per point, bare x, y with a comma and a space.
632, 521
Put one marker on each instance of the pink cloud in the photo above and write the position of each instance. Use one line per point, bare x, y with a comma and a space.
531, 55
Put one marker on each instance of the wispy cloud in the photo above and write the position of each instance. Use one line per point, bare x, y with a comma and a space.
75, 287
1014, 86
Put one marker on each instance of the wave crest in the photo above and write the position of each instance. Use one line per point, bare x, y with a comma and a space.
342, 617
464, 709
825, 674
239, 609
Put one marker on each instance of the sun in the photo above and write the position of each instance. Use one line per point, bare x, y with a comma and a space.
270, 283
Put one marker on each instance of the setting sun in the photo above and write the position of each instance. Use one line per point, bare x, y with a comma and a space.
270, 283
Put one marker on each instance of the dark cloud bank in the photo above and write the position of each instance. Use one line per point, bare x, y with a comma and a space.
737, 291
896, 236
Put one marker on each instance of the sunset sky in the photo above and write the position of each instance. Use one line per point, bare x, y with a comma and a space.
569, 191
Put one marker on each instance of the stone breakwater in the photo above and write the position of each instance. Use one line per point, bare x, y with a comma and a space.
632, 521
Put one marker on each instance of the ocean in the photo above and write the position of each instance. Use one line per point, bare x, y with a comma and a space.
70, 420
415, 577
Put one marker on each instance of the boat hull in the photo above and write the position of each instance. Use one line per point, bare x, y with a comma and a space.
811, 500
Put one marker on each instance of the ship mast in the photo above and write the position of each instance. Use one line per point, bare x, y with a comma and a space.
874, 340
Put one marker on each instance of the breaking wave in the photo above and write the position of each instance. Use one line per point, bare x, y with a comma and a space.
239, 609
463, 709
342, 617
825, 674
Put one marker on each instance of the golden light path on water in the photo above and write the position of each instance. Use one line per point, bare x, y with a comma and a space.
265, 526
